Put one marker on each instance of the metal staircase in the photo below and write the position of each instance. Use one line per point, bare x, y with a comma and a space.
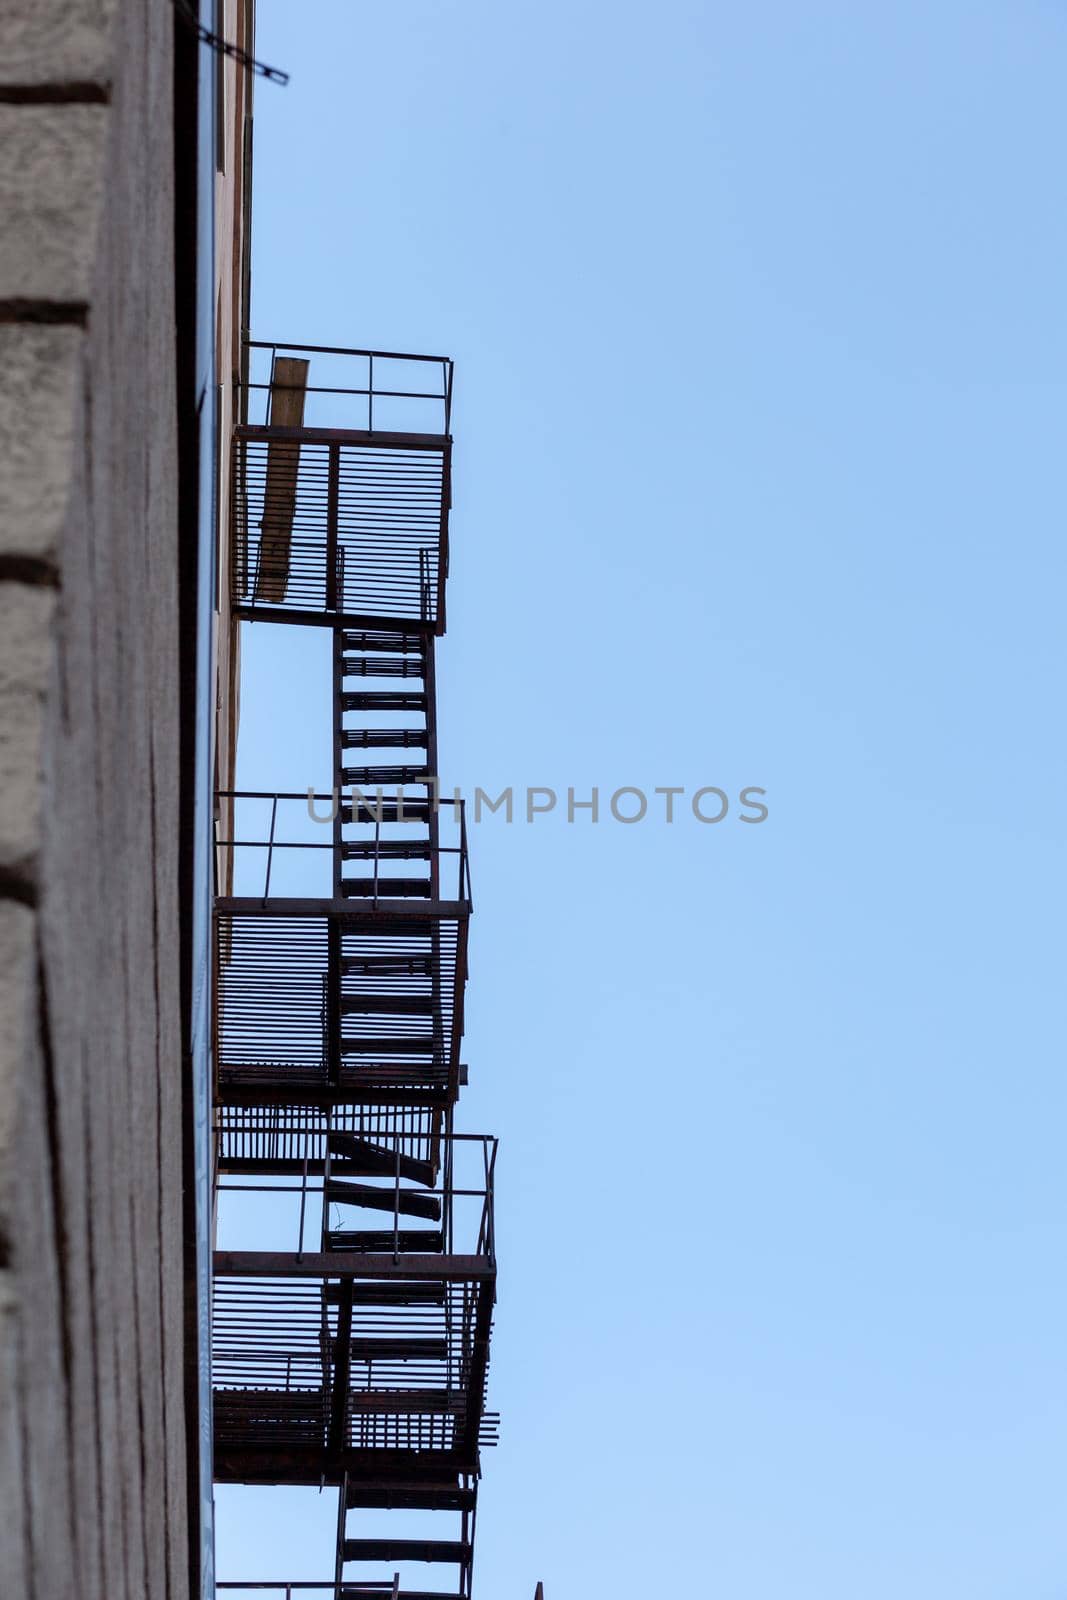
351, 1346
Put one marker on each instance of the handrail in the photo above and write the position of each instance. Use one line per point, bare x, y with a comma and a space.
308, 1182
443, 395
346, 350
380, 885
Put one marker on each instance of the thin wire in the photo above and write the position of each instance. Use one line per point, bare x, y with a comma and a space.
225, 48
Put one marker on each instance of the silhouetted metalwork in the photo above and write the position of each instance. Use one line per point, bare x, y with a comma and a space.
351, 1344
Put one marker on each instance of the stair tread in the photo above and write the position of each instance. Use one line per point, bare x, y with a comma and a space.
407, 1550
392, 1077
386, 850
382, 1241
407, 1202
387, 888
413, 810
374, 1160
404, 1594
385, 1349
409, 1496
386, 775
388, 1045
383, 700
390, 1294
383, 738
392, 966
398, 639
382, 666
397, 1005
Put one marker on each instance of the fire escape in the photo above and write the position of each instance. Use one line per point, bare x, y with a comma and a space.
350, 1347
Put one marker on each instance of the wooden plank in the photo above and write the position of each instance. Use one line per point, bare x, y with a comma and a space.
287, 395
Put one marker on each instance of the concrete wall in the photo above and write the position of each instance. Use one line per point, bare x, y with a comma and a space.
92, 1426
231, 220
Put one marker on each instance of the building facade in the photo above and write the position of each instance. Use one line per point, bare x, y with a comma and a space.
170, 1030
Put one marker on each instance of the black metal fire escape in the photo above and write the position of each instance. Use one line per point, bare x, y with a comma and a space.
351, 1345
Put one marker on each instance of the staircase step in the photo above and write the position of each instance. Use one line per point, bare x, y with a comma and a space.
405, 1201
409, 1497
382, 666
422, 1594
395, 1349
387, 888
403, 926
387, 966
422, 1085
370, 811
405, 1403
394, 639
383, 700
457, 1550
407, 1005
404, 1594
375, 1160
383, 738
390, 1294
384, 776
386, 850
392, 1046
374, 1241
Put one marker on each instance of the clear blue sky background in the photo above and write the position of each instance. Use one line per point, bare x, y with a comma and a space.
758, 314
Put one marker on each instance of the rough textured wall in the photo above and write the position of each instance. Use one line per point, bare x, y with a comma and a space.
92, 1428
230, 242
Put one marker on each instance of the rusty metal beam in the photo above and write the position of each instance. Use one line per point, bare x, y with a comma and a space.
354, 436
307, 1464
321, 1096
283, 906
352, 1264
342, 1369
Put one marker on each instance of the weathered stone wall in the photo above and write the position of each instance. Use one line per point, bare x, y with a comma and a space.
92, 1427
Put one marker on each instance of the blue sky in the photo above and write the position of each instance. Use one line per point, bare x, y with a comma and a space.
758, 321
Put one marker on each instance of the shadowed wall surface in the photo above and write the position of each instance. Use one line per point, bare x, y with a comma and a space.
92, 1426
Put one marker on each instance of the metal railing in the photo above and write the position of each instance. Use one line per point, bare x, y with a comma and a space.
316, 995
476, 1228
364, 809
340, 500
288, 1587
366, 387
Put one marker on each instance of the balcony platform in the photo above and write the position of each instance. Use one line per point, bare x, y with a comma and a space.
317, 999
319, 1369
342, 488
